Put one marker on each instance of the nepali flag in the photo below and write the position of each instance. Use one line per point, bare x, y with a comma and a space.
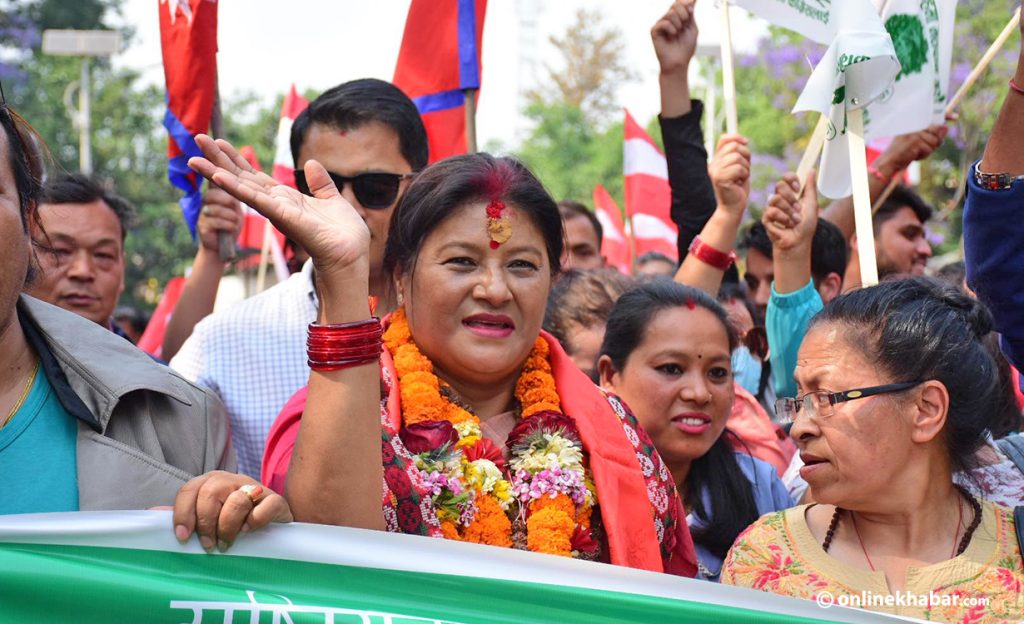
648, 195
188, 36
439, 60
614, 239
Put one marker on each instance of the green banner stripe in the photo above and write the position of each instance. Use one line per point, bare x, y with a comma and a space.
97, 584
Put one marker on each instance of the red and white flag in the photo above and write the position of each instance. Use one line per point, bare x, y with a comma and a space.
614, 242
648, 196
284, 163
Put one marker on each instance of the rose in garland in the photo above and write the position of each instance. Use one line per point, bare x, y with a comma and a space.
427, 436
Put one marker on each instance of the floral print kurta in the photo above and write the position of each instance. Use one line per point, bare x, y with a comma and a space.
984, 585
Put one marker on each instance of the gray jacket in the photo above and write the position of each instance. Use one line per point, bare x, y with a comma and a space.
143, 430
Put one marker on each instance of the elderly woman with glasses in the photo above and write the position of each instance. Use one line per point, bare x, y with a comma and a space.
896, 385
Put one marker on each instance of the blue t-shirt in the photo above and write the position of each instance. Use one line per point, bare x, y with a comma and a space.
38, 455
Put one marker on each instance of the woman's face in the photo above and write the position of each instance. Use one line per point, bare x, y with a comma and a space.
473, 310
860, 450
12, 237
678, 383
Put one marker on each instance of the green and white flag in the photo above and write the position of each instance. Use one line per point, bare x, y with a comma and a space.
127, 567
859, 67
922, 35
811, 18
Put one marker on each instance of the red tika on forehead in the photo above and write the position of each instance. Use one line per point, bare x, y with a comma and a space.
691, 304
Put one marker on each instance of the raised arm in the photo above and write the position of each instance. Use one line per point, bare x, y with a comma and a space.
336, 474
730, 174
790, 220
904, 150
221, 212
693, 198
993, 228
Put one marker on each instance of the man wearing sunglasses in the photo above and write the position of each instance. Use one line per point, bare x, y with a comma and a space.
370, 138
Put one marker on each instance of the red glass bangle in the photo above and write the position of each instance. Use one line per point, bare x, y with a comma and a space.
337, 346
334, 365
1016, 87
711, 256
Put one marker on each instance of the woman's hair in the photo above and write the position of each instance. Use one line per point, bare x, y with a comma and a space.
581, 300
717, 472
26, 157
921, 329
450, 184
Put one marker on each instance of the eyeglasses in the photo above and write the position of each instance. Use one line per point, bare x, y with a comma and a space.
822, 403
375, 191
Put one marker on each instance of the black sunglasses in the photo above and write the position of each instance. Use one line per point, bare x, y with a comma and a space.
375, 191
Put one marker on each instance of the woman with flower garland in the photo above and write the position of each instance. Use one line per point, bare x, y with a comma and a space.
490, 433
666, 352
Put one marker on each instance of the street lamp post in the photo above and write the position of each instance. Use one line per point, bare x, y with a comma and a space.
86, 44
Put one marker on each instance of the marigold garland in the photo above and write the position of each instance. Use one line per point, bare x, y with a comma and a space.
476, 501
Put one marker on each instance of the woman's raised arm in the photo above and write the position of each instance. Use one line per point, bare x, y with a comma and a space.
335, 475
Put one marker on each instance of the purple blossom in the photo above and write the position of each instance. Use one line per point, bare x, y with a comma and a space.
550, 482
437, 481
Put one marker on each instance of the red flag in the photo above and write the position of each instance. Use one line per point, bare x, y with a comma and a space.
614, 242
440, 59
188, 37
284, 163
648, 196
152, 340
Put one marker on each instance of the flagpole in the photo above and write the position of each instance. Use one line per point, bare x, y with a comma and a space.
814, 147
470, 106
861, 197
954, 102
728, 77
225, 243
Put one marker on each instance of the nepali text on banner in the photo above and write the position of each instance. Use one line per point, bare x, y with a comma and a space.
127, 567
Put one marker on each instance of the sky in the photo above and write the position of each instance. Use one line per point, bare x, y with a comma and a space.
266, 45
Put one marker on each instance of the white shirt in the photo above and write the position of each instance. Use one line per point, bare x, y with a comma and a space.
253, 356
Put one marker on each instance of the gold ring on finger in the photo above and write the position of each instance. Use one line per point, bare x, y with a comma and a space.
253, 491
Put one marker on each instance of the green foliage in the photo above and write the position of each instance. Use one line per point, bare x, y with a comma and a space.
569, 155
129, 142
577, 140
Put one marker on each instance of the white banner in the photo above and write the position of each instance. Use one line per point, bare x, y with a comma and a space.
811, 18
859, 67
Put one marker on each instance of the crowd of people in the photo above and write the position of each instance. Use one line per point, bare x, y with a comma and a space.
453, 359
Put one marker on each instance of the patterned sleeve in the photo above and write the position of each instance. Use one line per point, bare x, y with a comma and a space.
407, 507
666, 505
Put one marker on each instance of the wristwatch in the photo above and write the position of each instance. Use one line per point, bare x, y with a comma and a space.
994, 181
